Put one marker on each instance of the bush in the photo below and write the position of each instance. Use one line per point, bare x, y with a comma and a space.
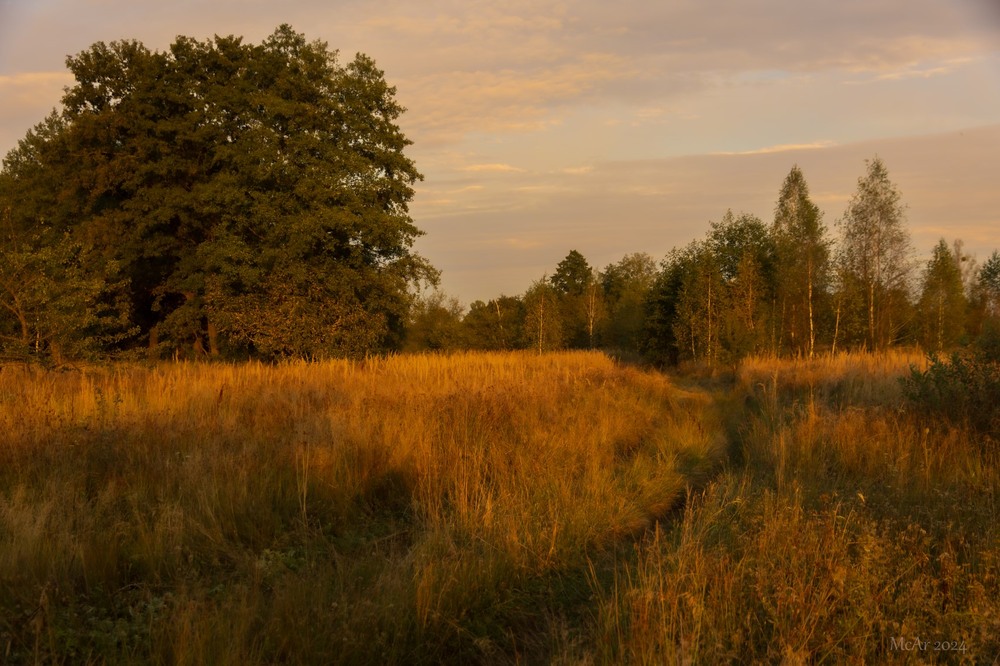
965, 390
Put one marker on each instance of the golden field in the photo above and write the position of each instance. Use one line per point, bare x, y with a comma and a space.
490, 508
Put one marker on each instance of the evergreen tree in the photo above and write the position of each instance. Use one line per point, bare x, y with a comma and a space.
989, 283
985, 303
660, 343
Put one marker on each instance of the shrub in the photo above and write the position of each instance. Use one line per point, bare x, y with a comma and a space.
965, 390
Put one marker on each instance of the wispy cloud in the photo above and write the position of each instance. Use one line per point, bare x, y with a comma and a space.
520, 243
656, 204
783, 148
913, 70
448, 105
493, 168
31, 88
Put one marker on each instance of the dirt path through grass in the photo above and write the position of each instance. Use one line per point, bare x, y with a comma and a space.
487, 508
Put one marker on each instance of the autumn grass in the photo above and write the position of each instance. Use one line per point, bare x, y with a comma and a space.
491, 508
404, 509
852, 527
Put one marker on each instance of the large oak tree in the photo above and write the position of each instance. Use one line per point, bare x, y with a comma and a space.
246, 196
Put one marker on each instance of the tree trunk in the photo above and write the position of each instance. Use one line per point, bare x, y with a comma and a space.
591, 313
503, 336
154, 341
871, 314
836, 325
213, 339
812, 332
541, 321
940, 326
708, 350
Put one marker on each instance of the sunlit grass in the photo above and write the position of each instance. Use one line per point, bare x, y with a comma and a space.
849, 525
409, 505
490, 508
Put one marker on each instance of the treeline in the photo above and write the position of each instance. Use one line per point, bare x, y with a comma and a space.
230, 200
789, 286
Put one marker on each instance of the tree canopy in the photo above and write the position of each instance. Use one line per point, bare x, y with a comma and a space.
803, 252
875, 258
223, 196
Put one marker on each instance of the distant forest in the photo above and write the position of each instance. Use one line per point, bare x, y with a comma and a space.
748, 287
785, 287
227, 200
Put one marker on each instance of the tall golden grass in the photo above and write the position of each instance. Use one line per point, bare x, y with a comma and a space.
854, 531
491, 508
398, 508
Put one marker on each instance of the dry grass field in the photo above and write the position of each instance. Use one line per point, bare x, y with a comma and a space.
491, 508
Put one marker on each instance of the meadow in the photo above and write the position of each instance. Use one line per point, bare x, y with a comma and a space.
492, 508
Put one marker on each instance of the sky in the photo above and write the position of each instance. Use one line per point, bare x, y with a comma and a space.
544, 126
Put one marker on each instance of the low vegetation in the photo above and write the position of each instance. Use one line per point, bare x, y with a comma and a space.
963, 390
409, 508
492, 508
854, 531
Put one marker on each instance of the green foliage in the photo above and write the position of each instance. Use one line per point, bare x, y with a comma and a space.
581, 303
253, 194
711, 300
874, 258
986, 288
964, 389
660, 343
625, 286
56, 305
734, 238
686, 306
803, 252
747, 256
702, 301
543, 323
435, 324
989, 281
572, 275
942, 305
495, 326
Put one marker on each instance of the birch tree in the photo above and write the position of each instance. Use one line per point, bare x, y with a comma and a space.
543, 328
803, 257
875, 257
